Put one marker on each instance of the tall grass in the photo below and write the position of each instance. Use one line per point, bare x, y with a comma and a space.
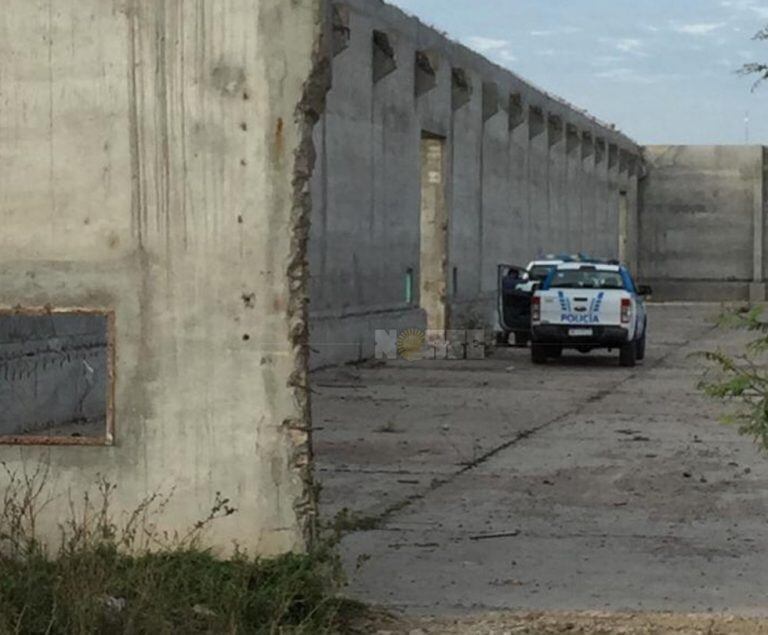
105, 577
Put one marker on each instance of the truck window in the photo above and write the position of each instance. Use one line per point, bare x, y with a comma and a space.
540, 272
587, 279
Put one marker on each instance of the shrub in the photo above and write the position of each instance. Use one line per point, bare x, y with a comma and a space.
741, 381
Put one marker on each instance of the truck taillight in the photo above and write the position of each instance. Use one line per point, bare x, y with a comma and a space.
535, 308
626, 310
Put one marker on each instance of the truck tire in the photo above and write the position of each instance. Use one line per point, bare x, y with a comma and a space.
555, 352
502, 338
641, 348
628, 354
521, 339
538, 353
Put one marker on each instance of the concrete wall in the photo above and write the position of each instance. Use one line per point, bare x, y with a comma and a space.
702, 225
523, 175
152, 163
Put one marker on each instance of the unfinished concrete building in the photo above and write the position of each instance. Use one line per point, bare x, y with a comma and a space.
169, 241
435, 166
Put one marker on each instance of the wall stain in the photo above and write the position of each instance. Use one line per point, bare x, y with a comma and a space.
228, 80
279, 137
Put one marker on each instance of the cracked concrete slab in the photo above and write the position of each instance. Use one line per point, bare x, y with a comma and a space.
575, 486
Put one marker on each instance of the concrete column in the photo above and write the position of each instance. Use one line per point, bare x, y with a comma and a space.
757, 291
623, 225
587, 212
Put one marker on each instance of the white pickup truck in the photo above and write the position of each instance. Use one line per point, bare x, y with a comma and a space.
587, 306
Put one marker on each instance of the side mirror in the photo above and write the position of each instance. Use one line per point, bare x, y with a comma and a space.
644, 290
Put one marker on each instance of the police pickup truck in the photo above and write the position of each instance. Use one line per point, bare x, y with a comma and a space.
587, 306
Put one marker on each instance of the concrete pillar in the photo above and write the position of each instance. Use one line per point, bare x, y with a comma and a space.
587, 212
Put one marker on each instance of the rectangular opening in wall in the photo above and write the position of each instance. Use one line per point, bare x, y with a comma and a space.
434, 233
56, 377
455, 281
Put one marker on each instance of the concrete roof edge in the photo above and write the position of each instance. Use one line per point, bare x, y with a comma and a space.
547, 100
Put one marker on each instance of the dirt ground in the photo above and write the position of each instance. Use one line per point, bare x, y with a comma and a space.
477, 487
567, 623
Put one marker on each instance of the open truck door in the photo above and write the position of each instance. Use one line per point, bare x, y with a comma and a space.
514, 292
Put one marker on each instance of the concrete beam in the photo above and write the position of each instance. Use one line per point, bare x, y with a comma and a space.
633, 165
340, 28
516, 111
384, 61
613, 156
554, 129
599, 150
624, 161
536, 121
461, 88
490, 100
425, 72
572, 138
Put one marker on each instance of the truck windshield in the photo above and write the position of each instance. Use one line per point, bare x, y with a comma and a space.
587, 279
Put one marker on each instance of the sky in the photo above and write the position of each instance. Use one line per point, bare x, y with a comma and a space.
663, 71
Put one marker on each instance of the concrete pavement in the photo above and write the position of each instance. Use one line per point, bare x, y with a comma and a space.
580, 485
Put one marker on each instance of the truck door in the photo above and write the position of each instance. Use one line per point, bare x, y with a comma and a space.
511, 298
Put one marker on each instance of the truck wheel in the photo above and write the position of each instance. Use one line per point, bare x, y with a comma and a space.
628, 354
641, 348
555, 352
521, 339
502, 338
538, 353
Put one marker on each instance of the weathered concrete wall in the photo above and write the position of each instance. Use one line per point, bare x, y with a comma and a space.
702, 224
148, 166
523, 175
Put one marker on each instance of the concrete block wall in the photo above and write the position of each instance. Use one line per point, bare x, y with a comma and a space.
526, 172
702, 228
153, 159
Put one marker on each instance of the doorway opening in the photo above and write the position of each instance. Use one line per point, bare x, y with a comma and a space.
434, 233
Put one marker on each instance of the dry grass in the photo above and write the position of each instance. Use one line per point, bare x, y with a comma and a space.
134, 578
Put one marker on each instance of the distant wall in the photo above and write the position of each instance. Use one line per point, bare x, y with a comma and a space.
702, 222
525, 172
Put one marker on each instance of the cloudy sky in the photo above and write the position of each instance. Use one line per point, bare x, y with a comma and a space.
662, 70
